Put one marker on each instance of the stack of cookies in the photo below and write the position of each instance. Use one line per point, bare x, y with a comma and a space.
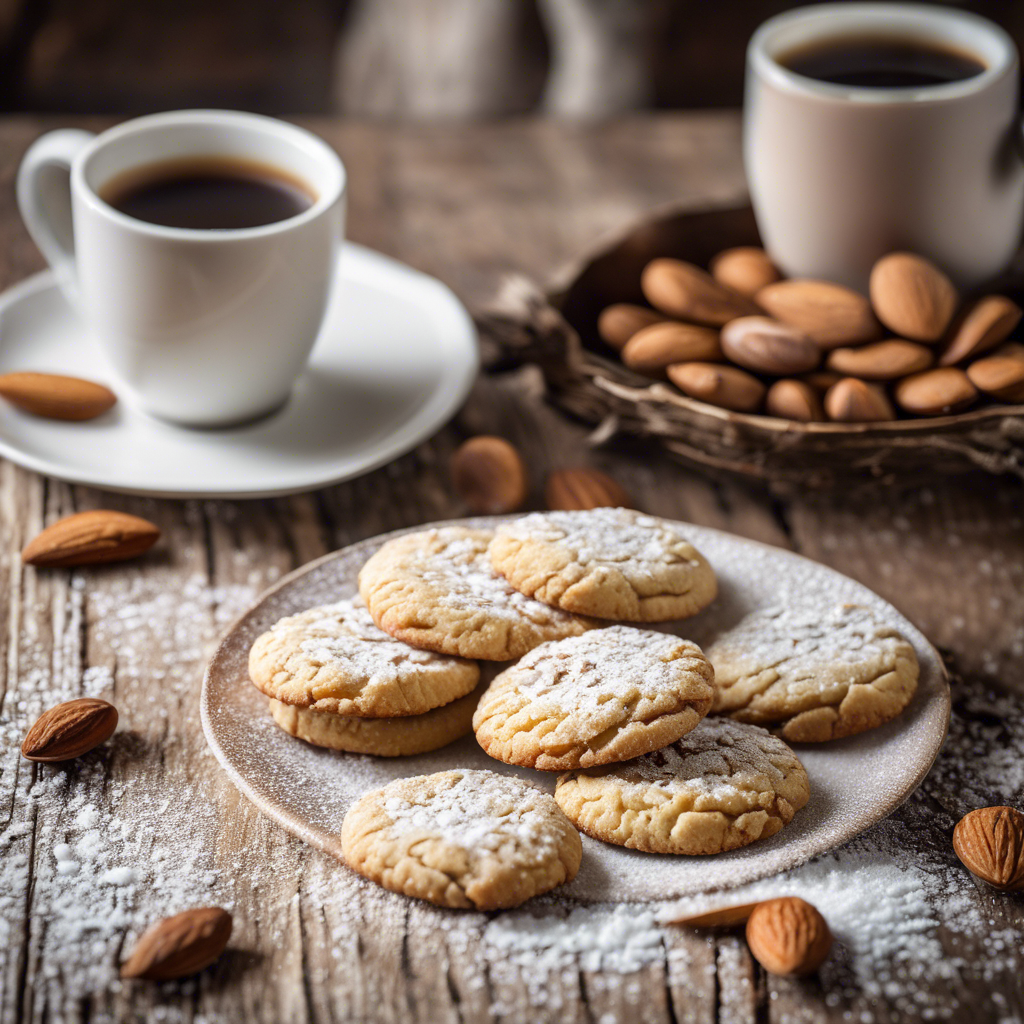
660, 747
334, 679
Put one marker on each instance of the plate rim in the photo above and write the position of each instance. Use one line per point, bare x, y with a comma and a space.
745, 872
442, 403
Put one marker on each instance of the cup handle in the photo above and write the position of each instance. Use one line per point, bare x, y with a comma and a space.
44, 199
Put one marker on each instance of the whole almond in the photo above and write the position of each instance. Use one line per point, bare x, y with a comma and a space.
764, 345
583, 488
618, 323
912, 297
982, 325
831, 314
788, 936
56, 397
881, 360
725, 386
794, 400
489, 475
990, 844
100, 535
746, 269
856, 401
685, 291
179, 946
935, 392
70, 730
1000, 374
723, 917
654, 348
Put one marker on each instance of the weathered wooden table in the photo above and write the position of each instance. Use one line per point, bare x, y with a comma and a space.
150, 824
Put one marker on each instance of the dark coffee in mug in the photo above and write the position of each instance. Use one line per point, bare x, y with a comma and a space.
881, 62
208, 193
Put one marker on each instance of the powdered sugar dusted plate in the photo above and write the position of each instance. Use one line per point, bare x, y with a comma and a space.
854, 782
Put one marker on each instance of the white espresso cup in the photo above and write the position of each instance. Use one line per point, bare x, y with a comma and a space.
204, 327
839, 175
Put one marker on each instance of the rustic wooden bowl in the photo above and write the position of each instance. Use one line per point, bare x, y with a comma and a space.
558, 331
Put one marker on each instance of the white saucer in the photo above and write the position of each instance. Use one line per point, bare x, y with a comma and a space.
395, 359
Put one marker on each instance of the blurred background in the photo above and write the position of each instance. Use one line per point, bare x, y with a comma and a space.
385, 58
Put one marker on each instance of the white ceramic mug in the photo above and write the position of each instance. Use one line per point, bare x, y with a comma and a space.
840, 175
203, 327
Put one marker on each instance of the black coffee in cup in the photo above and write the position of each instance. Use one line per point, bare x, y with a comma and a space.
881, 62
208, 193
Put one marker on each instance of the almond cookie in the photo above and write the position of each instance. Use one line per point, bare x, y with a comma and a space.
335, 660
812, 677
438, 590
612, 563
462, 838
722, 786
383, 737
608, 695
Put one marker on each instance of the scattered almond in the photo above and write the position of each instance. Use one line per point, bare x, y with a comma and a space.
70, 730
56, 397
794, 400
856, 401
725, 386
881, 360
100, 535
654, 348
618, 323
788, 936
685, 291
746, 269
831, 314
723, 917
179, 946
990, 844
583, 488
983, 325
935, 392
489, 475
912, 297
764, 345
1001, 374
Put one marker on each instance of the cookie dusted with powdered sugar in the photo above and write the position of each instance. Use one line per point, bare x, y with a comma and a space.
437, 589
722, 786
335, 659
612, 563
382, 737
463, 838
811, 676
608, 695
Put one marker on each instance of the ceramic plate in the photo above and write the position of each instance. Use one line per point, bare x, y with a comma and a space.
854, 782
395, 359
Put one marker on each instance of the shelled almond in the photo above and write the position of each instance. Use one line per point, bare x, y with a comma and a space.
685, 291
742, 337
794, 400
726, 386
618, 323
652, 349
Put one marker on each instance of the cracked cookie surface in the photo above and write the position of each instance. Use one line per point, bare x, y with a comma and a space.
437, 590
383, 737
612, 563
608, 695
812, 676
722, 786
335, 659
464, 838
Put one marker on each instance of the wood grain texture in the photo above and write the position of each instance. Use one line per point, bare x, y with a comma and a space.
465, 204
